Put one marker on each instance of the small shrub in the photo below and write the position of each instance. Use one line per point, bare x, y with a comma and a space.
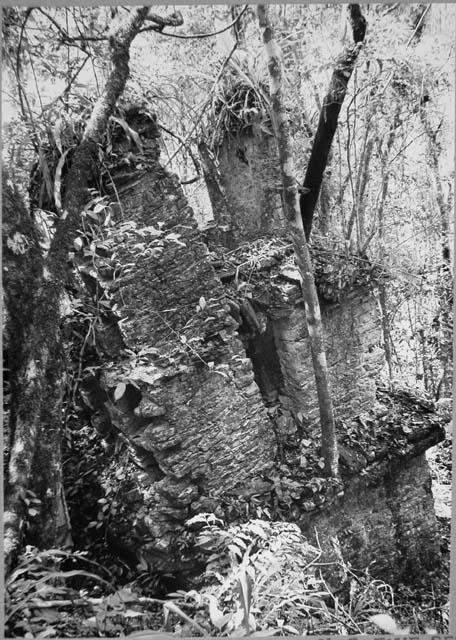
42, 601
264, 578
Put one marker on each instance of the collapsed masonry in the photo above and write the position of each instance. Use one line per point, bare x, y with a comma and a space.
211, 385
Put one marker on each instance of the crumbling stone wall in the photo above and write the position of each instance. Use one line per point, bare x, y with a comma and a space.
355, 358
182, 390
385, 521
385, 518
351, 326
250, 175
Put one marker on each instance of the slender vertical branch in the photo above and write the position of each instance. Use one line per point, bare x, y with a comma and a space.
295, 224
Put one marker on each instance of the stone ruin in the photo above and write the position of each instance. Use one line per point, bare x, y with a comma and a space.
208, 380
244, 186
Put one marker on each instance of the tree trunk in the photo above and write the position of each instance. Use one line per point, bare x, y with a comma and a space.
324, 216
51, 527
43, 331
23, 267
292, 211
23, 271
386, 329
327, 123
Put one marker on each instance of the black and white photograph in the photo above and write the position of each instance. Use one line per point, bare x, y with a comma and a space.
228, 251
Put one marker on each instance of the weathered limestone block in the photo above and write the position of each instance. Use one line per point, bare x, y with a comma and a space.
147, 408
187, 399
276, 337
157, 437
388, 523
184, 393
355, 358
249, 171
179, 493
386, 518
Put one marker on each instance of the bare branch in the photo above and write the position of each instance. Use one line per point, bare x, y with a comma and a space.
71, 40
173, 20
185, 144
197, 35
207, 103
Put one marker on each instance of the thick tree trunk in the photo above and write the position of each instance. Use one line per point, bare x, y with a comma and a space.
327, 123
291, 205
23, 270
51, 527
43, 331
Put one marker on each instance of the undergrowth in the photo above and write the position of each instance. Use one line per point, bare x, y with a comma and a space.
46, 598
261, 578
264, 578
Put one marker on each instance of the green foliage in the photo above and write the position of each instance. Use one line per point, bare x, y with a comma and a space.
264, 578
46, 599
242, 98
98, 474
38, 587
